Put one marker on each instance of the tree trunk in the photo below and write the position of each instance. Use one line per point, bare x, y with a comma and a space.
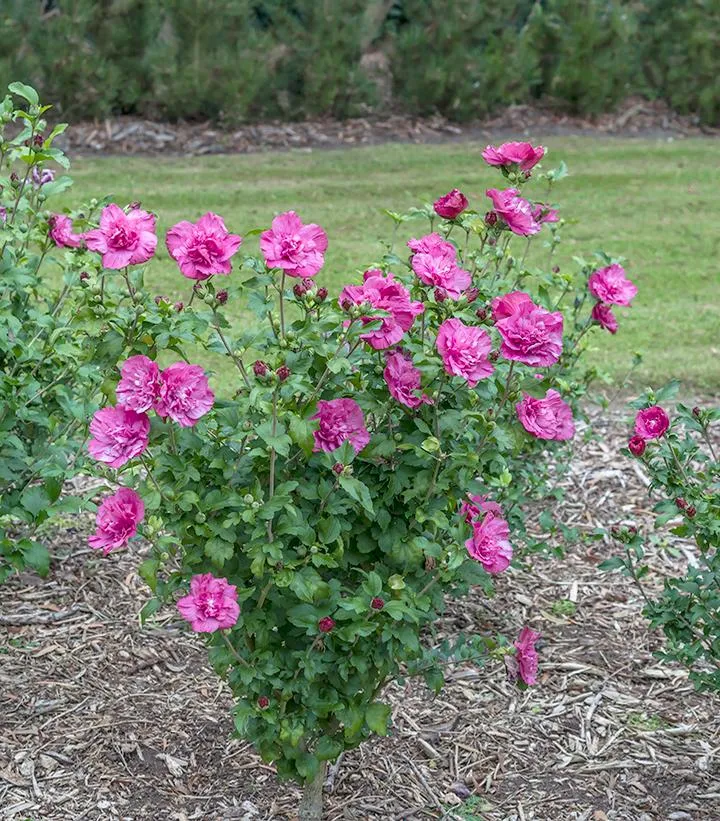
311, 803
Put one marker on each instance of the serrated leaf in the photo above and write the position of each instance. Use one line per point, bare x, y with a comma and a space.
377, 716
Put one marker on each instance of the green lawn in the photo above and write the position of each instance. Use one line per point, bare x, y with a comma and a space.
654, 202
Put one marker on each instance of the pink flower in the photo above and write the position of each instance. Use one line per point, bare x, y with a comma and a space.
603, 315
184, 395
403, 381
610, 285
651, 423
211, 604
474, 506
118, 434
464, 350
428, 244
340, 420
516, 211
203, 248
530, 334
296, 248
61, 233
526, 655
139, 385
437, 265
384, 294
504, 306
326, 624
40, 178
117, 519
548, 418
451, 205
123, 239
490, 543
636, 445
544, 213
508, 154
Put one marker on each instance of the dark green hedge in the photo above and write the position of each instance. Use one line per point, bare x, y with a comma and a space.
240, 60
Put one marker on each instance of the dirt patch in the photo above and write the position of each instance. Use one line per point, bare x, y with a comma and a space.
102, 720
131, 135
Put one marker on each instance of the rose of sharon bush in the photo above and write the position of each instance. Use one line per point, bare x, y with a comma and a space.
203, 248
117, 435
123, 238
139, 385
651, 423
117, 519
451, 205
345, 483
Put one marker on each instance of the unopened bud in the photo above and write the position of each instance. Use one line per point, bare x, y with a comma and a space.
222, 297
299, 290
491, 218
321, 295
263, 702
440, 295
84, 275
260, 368
325, 625
377, 603
481, 314
283, 372
556, 269
681, 503
338, 468
691, 511
472, 294
179, 306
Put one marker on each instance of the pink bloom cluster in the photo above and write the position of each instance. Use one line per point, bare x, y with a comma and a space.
651, 423
117, 519
548, 418
403, 381
474, 506
435, 262
509, 155
339, 420
490, 542
117, 435
210, 605
516, 212
61, 232
451, 205
203, 248
297, 249
530, 334
526, 655
464, 350
123, 238
383, 293
610, 286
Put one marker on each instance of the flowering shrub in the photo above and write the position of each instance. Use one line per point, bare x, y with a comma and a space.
371, 457
59, 346
677, 451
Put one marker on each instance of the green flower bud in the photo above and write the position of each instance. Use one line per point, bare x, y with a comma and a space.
248, 498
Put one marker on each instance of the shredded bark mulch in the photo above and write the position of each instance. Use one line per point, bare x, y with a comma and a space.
132, 135
100, 719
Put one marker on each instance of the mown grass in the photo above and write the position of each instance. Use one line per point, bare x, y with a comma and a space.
654, 202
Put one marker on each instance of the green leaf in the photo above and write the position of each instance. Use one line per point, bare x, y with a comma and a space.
358, 491
219, 551
377, 716
612, 564
36, 556
306, 583
26, 92
328, 749
34, 500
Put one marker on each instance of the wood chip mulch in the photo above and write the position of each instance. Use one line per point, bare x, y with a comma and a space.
100, 719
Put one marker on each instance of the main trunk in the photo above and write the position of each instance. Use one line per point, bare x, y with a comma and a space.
311, 803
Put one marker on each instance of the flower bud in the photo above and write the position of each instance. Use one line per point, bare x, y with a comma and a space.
38, 140
248, 498
556, 269
299, 289
260, 368
472, 294
283, 372
338, 468
691, 511
440, 295
636, 445
321, 295
481, 314
84, 276
134, 205
492, 241
681, 503
326, 624
179, 306
377, 603
221, 297
263, 702
493, 356
491, 218
696, 412
159, 299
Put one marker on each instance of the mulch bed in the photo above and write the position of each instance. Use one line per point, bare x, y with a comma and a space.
100, 719
133, 135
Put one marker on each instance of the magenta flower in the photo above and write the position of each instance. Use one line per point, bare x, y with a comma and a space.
548, 418
504, 306
211, 604
203, 248
139, 385
118, 435
522, 155
117, 519
123, 239
340, 420
403, 381
40, 178
490, 544
464, 350
296, 248
610, 285
651, 423
542, 213
526, 655
603, 315
530, 334
184, 395
437, 266
636, 445
61, 232
451, 205
384, 293
474, 506
516, 211
428, 244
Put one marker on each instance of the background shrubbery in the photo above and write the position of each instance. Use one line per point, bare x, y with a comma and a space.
250, 59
